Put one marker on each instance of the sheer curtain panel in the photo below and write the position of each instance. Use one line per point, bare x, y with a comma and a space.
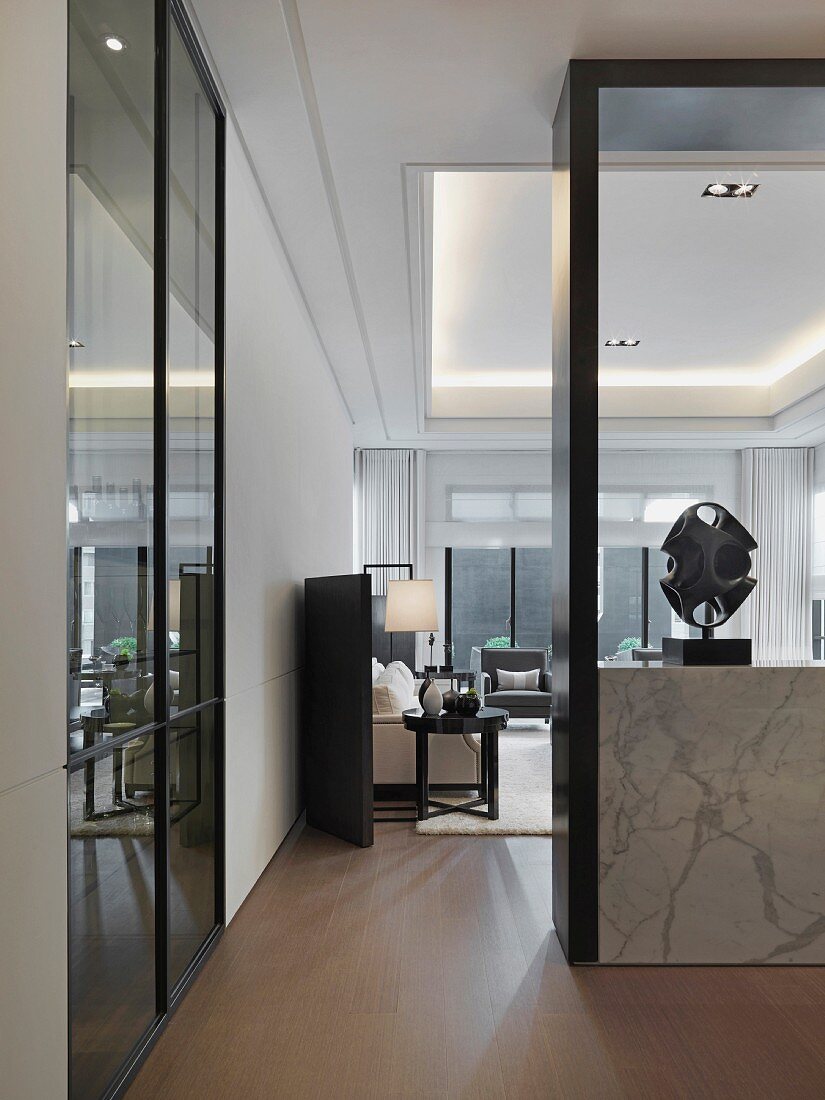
777, 499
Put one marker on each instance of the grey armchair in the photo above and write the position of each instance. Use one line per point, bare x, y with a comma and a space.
520, 704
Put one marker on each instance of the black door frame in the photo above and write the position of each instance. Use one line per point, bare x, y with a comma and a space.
169, 13
575, 448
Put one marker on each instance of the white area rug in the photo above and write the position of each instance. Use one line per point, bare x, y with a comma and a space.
525, 790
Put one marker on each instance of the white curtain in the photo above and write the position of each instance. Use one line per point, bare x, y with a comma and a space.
389, 512
777, 509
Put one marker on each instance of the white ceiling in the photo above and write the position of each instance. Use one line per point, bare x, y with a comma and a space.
338, 103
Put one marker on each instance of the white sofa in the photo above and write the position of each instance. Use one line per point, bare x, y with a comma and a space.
454, 761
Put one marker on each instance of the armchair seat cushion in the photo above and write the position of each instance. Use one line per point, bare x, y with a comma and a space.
507, 699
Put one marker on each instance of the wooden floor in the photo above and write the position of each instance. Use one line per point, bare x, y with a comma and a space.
426, 967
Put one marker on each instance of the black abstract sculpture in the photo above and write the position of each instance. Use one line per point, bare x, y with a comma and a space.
708, 568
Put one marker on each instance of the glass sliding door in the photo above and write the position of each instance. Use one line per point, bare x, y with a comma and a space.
498, 596
192, 559
144, 499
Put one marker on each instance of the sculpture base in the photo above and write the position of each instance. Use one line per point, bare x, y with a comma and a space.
706, 651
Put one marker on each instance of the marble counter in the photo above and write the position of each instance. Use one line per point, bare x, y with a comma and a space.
712, 814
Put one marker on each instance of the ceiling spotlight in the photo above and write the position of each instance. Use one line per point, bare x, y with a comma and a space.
614, 343
730, 191
629, 343
76, 344
114, 42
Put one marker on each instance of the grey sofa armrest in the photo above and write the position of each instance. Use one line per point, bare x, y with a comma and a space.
547, 682
388, 719
486, 684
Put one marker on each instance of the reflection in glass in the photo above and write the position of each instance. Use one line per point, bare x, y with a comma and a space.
192, 837
534, 592
110, 492
481, 600
192, 229
112, 900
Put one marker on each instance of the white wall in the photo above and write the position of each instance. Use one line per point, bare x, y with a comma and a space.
33, 963
289, 516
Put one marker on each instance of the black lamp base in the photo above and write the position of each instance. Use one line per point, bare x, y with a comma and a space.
706, 651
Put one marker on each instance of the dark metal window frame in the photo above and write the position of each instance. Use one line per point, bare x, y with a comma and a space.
575, 446
169, 13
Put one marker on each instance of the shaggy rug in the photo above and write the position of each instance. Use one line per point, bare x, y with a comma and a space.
525, 791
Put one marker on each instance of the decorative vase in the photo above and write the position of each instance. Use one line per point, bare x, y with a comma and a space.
467, 705
430, 697
449, 700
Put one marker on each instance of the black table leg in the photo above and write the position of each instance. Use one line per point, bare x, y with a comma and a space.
492, 775
422, 777
485, 745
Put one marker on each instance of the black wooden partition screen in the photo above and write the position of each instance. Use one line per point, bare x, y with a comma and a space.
337, 706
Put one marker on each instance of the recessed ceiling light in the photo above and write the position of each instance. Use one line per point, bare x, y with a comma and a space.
730, 191
114, 42
614, 343
76, 344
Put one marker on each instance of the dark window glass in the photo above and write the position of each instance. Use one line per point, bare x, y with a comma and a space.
621, 598
534, 596
481, 601
112, 900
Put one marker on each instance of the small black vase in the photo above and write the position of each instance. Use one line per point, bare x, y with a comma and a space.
467, 705
449, 700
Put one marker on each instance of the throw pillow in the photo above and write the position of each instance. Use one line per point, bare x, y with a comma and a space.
377, 669
381, 701
395, 679
518, 681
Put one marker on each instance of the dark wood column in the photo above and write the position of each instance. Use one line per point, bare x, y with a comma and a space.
575, 516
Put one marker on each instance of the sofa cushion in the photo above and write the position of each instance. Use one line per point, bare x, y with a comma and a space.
393, 688
507, 699
517, 681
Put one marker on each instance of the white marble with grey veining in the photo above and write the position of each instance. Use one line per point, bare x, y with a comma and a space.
712, 803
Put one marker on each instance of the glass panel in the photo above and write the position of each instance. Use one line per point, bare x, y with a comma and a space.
620, 623
192, 836
663, 620
192, 138
534, 591
110, 493
695, 189
481, 601
112, 898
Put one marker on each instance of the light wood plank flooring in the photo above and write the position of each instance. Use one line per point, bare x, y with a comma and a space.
425, 967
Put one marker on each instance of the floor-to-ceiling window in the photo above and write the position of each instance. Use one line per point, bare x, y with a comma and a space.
144, 591
497, 596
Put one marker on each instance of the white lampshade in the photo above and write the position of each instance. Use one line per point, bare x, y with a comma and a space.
411, 606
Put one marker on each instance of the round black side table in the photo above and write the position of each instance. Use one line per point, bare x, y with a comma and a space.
488, 721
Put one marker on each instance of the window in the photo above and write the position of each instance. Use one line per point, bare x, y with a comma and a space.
530, 505
498, 596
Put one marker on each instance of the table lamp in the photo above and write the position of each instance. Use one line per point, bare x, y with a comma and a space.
411, 607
